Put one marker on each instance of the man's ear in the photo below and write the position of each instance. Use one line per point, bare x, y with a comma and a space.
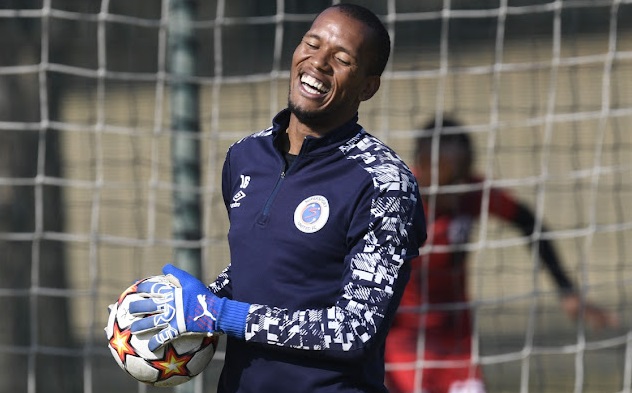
370, 88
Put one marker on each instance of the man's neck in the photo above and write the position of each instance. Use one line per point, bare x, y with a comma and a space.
297, 132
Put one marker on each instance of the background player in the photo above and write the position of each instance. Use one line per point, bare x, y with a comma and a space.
443, 275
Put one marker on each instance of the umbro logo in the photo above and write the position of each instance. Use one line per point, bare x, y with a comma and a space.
245, 181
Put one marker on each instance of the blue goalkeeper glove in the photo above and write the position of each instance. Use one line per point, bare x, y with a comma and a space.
186, 307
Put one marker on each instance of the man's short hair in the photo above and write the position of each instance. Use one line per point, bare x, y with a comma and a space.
381, 42
451, 132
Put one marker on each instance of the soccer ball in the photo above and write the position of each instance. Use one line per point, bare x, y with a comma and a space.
172, 364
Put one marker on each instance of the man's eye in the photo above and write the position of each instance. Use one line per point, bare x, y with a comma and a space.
343, 61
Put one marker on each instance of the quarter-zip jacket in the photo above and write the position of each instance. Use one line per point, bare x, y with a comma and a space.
321, 252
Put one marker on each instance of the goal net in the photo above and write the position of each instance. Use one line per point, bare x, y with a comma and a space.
86, 187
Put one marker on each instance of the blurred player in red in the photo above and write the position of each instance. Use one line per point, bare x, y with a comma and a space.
438, 279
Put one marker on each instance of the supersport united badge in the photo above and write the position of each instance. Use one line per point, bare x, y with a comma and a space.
311, 214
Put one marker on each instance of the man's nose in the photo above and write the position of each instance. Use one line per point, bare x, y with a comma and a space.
320, 60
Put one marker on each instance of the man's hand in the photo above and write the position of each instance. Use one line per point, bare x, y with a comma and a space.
187, 306
595, 316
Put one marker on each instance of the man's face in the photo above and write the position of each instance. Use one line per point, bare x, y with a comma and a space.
451, 169
329, 77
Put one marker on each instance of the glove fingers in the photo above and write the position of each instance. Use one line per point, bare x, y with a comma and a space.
184, 280
181, 277
161, 338
153, 288
173, 280
170, 269
153, 344
147, 324
145, 306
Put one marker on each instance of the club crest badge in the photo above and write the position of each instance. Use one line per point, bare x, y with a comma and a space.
311, 214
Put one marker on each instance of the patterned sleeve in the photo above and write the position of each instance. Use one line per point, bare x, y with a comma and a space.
379, 270
222, 285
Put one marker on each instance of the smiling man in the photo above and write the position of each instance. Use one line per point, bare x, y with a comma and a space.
324, 220
336, 66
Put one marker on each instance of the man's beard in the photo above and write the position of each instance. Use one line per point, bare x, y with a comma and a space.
311, 118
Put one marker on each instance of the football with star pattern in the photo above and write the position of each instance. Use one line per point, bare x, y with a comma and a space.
172, 364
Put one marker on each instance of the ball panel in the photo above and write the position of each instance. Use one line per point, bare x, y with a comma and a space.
140, 369
189, 342
116, 358
140, 342
202, 357
173, 381
111, 319
120, 342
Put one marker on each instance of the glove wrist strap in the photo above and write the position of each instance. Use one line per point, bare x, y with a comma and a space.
232, 320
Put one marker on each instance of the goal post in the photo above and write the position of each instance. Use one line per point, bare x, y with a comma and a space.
544, 87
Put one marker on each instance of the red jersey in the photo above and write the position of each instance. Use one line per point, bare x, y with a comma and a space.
439, 281
439, 277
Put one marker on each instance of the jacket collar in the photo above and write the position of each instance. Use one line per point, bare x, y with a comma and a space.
334, 138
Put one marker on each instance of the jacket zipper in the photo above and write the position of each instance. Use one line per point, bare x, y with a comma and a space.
266, 208
272, 197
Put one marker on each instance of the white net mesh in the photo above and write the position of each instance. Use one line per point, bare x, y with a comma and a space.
85, 166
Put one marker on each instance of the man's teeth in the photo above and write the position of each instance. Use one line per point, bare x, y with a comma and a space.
313, 85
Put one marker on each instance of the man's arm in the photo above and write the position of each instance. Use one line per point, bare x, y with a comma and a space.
524, 220
571, 300
222, 286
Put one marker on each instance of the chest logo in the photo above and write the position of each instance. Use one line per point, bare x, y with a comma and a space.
311, 214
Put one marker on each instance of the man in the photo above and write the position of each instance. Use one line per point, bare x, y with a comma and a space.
324, 219
438, 279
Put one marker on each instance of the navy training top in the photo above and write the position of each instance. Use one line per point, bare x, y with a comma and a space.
321, 251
